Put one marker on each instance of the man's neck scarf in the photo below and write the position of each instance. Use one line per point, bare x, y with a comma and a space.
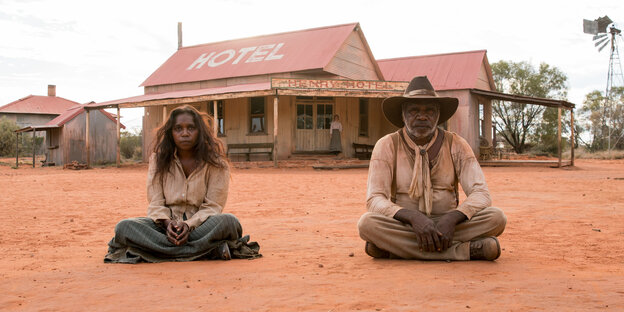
420, 188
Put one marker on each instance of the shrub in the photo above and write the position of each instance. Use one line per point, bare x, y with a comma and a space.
26, 144
130, 145
7, 136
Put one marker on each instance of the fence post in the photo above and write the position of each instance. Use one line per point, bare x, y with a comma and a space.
33, 143
16, 150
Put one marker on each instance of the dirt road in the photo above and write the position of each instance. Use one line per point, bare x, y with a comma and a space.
563, 246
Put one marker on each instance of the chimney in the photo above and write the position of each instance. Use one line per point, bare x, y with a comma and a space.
51, 90
179, 35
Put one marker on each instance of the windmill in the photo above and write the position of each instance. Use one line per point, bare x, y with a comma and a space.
605, 32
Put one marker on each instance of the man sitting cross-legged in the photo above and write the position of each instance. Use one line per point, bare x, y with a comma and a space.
412, 196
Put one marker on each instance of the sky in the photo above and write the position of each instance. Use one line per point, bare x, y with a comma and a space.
103, 50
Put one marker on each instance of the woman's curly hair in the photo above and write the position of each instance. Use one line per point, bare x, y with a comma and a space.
208, 150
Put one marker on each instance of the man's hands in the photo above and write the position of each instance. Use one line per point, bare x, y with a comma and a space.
427, 235
177, 231
431, 236
446, 226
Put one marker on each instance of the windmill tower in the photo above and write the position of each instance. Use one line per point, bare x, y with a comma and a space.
605, 32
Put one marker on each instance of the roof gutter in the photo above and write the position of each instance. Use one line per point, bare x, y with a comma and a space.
523, 99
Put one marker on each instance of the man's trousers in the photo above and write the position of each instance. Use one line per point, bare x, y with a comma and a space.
399, 239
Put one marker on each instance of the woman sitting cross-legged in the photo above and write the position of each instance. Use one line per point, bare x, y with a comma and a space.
187, 187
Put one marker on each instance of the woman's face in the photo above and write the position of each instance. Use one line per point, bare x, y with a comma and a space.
185, 132
336, 118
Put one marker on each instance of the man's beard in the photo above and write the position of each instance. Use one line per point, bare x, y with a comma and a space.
419, 133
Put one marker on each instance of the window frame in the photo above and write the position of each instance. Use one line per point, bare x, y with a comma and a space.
315, 102
304, 105
251, 116
326, 124
360, 102
481, 118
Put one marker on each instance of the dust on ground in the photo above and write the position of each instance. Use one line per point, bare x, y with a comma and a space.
562, 249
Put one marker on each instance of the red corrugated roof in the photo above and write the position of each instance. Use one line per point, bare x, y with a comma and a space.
73, 112
278, 53
36, 104
187, 93
445, 71
65, 117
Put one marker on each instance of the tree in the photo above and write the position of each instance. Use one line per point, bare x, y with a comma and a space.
545, 135
7, 136
604, 123
130, 145
514, 121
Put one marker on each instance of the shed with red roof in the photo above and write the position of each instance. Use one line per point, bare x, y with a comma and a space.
63, 124
66, 137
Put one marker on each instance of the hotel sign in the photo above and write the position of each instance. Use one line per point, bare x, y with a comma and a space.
267, 52
339, 85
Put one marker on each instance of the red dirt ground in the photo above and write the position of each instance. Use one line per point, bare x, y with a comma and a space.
563, 246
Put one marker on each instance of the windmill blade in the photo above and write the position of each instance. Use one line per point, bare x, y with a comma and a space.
598, 36
600, 41
590, 27
596, 26
603, 22
603, 46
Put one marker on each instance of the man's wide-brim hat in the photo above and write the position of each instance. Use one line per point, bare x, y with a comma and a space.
419, 90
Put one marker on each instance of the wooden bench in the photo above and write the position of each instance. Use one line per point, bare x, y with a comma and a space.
250, 148
363, 151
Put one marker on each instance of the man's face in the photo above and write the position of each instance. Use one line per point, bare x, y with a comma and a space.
420, 119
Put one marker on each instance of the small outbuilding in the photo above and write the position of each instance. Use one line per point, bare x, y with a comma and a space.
67, 141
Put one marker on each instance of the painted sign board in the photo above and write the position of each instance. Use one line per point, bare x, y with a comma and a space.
342, 85
265, 52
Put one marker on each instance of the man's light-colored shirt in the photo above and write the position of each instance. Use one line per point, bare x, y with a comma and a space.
458, 157
192, 199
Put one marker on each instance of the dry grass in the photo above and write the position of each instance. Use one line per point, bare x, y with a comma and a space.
581, 153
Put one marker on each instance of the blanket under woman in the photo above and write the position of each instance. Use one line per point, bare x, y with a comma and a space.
141, 240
